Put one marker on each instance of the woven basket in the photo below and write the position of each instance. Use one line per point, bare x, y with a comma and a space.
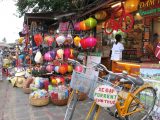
39, 101
27, 90
59, 102
82, 96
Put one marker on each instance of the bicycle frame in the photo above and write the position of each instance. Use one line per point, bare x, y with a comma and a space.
123, 109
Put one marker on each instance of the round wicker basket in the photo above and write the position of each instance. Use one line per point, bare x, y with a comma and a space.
27, 90
59, 102
39, 101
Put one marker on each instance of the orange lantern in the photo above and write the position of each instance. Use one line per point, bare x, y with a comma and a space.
83, 26
100, 15
131, 5
62, 69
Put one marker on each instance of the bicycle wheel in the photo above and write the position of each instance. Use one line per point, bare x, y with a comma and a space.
126, 22
147, 98
108, 26
71, 106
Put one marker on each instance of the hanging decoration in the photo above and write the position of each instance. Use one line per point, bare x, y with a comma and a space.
49, 68
38, 39
62, 69
91, 22
77, 41
100, 15
91, 42
49, 40
67, 53
131, 5
60, 40
79, 68
77, 26
83, 26
60, 53
48, 57
69, 40
83, 43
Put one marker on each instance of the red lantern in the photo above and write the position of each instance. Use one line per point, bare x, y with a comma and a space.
38, 39
83, 26
83, 43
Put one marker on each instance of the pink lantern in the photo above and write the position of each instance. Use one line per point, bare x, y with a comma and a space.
48, 57
91, 42
67, 53
50, 40
77, 26
79, 68
49, 68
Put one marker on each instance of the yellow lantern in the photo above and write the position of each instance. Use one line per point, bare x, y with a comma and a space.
100, 15
131, 5
77, 41
20, 40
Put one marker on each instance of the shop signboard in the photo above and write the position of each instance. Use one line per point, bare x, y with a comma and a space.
105, 96
149, 7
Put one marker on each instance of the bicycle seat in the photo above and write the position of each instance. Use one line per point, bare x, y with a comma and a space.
133, 80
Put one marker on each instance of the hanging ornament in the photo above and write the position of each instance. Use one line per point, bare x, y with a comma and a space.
38, 57
38, 39
71, 53
60, 53
91, 42
62, 69
77, 41
91, 22
77, 26
60, 40
49, 68
49, 40
67, 53
131, 5
83, 26
83, 43
20, 40
70, 68
53, 54
100, 15
79, 68
48, 57
56, 69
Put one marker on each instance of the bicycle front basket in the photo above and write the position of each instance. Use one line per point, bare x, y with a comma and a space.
81, 81
99, 81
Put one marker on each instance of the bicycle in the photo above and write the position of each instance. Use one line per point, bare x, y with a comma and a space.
78, 80
125, 22
133, 101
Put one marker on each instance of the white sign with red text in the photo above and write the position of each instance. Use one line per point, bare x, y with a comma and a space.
105, 96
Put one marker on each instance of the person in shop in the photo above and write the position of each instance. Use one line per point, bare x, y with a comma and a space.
116, 51
151, 47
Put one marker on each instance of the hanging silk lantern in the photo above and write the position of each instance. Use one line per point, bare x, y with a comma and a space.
77, 26
62, 69
100, 15
60, 39
56, 69
79, 68
48, 57
70, 68
53, 54
50, 40
77, 41
67, 53
91, 22
20, 40
131, 5
60, 53
69, 40
71, 53
91, 42
83, 26
49, 68
83, 43
38, 39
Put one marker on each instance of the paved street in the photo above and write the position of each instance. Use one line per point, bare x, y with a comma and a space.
14, 105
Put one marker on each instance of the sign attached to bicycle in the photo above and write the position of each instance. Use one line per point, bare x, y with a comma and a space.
105, 96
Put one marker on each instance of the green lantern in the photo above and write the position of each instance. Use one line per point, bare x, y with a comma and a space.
91, 22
